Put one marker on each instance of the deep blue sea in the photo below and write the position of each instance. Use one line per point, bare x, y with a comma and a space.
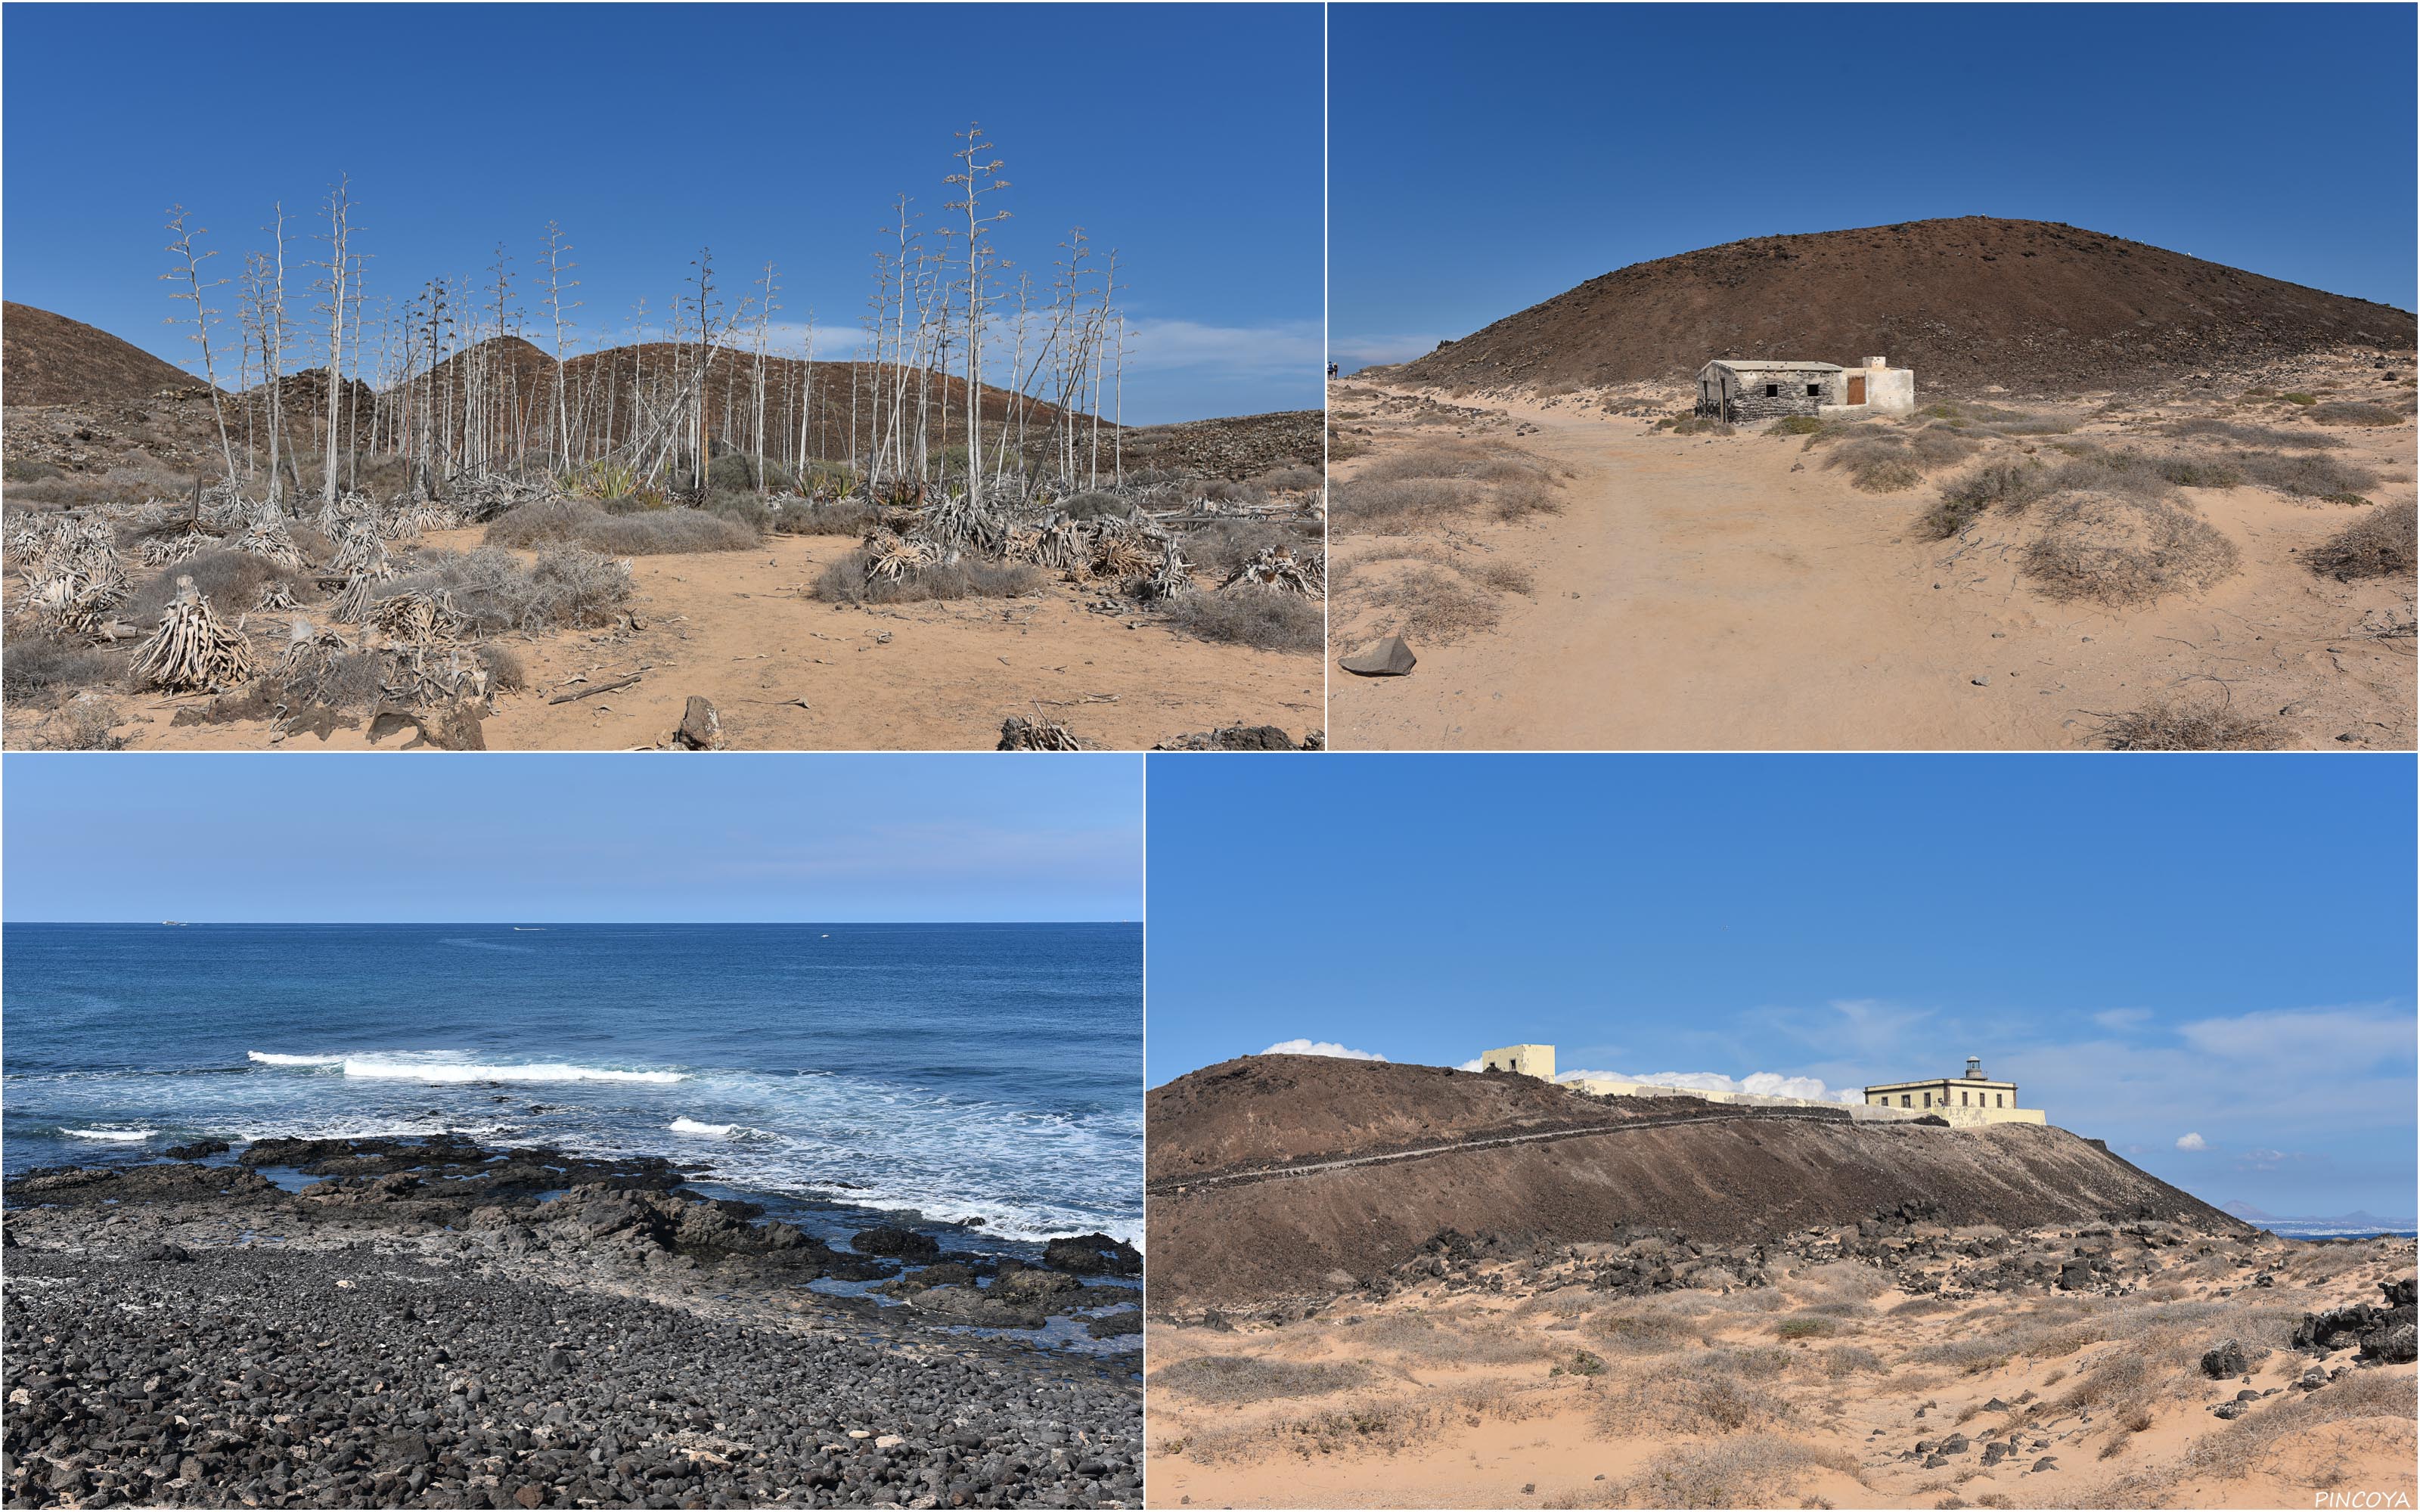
989, 1072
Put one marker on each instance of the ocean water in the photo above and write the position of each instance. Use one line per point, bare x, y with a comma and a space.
990, 1072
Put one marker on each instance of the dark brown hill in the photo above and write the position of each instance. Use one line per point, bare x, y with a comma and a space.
49, 359
1734, 1177
2031, 305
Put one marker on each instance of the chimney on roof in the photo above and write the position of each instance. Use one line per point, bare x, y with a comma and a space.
1975, 1068
1878, 361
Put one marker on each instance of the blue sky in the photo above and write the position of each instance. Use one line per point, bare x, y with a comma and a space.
1186, 137
1484, 158
2153, 949
381, 838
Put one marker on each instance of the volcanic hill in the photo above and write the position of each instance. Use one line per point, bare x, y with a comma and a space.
1248, 1205
48, 358
2033, 306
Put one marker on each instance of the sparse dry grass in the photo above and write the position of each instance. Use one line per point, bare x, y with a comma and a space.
2306, 476
639, 533
566, 586
844, 581
1894, 459
1424, 486
2195, 725
1230, 1379
1263, 617
1746, 1470
2120, 552
1418, 597
2382, 543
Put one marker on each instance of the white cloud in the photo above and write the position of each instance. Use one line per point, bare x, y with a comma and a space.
2122, 1018
1364, 352
1320, 1047
2324, 1036
1474, 1063
1291, 348
1760, 1083
2193, 1141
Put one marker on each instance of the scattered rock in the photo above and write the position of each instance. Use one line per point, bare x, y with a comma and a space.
700, 728
1390, 658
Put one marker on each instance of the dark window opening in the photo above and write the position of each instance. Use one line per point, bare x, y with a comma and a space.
1773, 391
1814, 390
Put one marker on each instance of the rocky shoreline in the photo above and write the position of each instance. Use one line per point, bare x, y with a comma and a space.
435, 1323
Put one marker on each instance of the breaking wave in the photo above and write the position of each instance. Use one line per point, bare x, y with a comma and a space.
123, 1137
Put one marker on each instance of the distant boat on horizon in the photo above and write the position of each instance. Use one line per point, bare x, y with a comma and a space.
529, 929
171, 924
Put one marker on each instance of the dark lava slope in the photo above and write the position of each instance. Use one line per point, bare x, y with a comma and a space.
1730, 1179
49, 359
2031, 305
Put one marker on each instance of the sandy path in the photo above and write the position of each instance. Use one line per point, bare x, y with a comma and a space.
738, 628
1698, 594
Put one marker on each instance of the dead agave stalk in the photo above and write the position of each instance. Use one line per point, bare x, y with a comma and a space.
193, 648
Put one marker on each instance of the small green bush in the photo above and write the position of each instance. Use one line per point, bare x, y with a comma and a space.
1796, 426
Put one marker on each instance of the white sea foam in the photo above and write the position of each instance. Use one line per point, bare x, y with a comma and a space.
270, 1057
404, 1069
122, 1137
704, 1131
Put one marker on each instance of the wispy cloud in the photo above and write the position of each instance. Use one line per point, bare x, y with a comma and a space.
2193, 1141
2337, 1036
1320, 1047
1366, 351
1289, 349
2123, 1018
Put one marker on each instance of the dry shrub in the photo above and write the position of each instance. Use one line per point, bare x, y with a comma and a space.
565, 587
2262, 436
1643, 1329
1266, 619
2199, 725
1806, 1327
1396, 505
643, 533
1710, 1391
2305, 476
1749, 1470
1841, 1281
1893, 461
1844, 1360
231, 580
2381, 544
505, 673
41, 668
1698, 425
843, 517
1451, 1340
1217, 549
1427, 485
1292, 479
1231, 1378
2256, 1441
2119, 551
2352, 413
1419, 600
2011, 487
345, 680
1363, 1426
82, 723
844, 581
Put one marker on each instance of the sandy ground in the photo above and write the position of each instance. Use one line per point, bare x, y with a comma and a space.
1701, 593
1464, 1395
786, 672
